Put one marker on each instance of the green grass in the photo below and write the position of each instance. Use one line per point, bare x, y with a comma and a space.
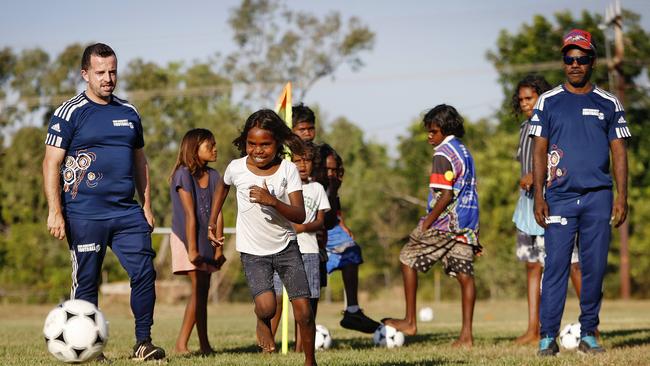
625, 328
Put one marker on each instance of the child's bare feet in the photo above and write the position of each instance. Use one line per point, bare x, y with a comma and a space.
465, 341
402, 325
266, 348
528, 338
181, 350
266, 344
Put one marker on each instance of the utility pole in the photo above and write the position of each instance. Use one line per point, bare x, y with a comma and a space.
614, 19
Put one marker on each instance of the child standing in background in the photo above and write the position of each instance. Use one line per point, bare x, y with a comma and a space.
449, 231
343, 253
192, 185
269, 200
316, 204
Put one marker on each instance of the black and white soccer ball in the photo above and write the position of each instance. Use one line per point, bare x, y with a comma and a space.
323, 337
570, 336
75, 331
387, 336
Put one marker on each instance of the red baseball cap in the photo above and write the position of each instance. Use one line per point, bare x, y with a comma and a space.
578, 38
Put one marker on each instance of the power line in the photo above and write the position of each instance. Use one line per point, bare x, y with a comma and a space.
212, 90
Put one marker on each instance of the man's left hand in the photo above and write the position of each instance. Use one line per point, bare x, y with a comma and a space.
148, 215
619, 211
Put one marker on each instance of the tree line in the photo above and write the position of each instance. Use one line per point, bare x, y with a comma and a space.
382, 196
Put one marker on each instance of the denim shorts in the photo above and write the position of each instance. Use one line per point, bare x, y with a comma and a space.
312, 270
287, 263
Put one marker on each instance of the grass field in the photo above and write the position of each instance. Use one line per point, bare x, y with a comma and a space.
625, 328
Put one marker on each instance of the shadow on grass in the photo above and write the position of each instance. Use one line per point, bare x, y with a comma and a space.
503, 340
252, 348
422, 363
194, 354
359, 343
631, 337
365, 343
437, 339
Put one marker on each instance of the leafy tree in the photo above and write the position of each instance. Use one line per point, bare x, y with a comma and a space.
168, 112
276, 44
40, 83
382, 197
171, 100
35, 266
7, 62
536, 48
23, 199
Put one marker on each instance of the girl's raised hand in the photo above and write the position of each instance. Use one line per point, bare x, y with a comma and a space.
262, 195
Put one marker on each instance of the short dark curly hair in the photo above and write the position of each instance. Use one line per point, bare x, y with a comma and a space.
447, 118
97, 49
534, 81
301, 113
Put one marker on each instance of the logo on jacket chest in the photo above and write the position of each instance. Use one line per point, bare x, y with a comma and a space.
122, 123
593, 112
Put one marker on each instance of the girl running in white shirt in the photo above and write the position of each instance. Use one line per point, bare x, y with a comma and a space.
269, 199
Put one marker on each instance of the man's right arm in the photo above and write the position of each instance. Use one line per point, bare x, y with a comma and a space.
51, 185
540, 146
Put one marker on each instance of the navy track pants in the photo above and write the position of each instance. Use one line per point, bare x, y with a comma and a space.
589, 216
130, 239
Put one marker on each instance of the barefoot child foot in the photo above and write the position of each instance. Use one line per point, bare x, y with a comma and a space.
402, 325
527, 338
181, 351
463, 342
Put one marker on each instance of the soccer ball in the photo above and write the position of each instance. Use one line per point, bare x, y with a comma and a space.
75, 331
387, 336
323, 337
426, 314
570, 336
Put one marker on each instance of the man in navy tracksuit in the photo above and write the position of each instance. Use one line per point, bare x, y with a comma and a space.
94, 162
574, 127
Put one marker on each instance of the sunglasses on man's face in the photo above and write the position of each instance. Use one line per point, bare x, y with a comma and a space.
581, 60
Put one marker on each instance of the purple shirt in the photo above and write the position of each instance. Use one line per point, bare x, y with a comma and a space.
202, 202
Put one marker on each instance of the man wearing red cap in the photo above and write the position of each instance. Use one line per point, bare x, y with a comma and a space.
574, 126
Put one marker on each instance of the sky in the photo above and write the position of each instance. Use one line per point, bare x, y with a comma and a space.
425, 52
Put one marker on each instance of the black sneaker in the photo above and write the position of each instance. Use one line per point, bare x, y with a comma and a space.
548, 347
358, 321
589, 345
145, 351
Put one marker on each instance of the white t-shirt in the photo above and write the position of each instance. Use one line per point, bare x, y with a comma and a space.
261, 230
315, 200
